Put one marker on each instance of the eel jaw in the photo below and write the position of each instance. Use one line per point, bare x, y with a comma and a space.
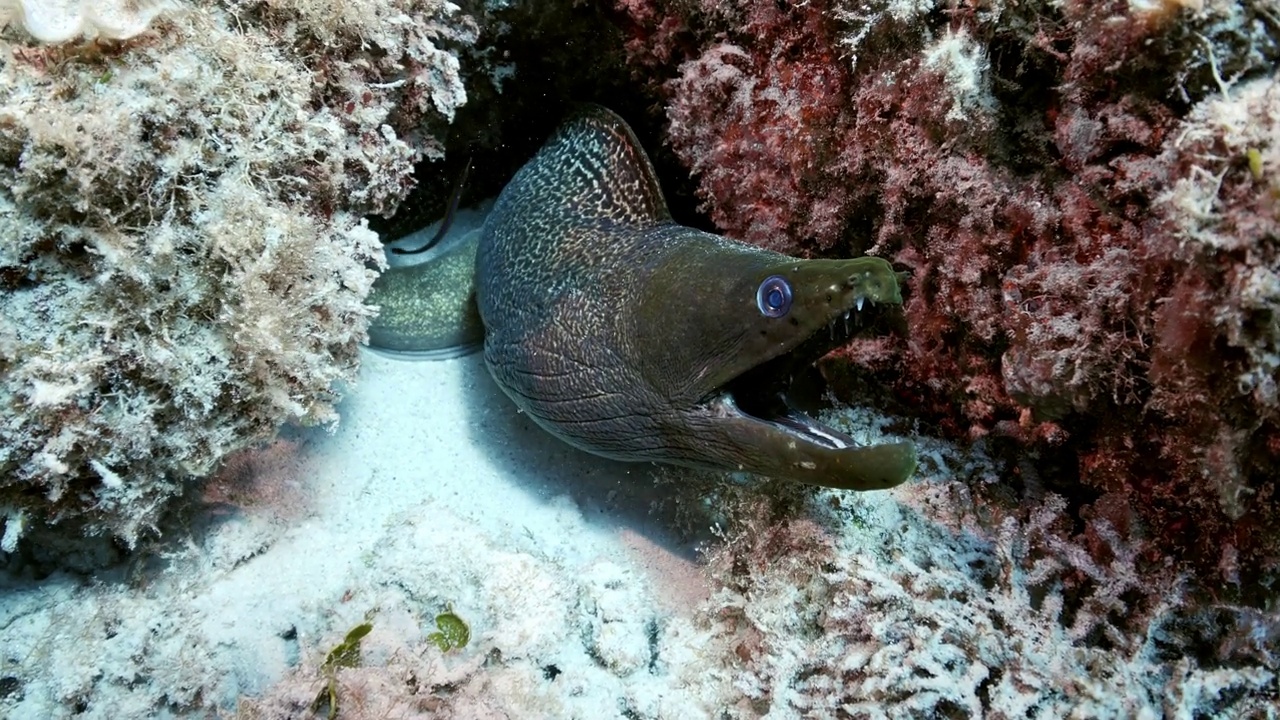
756, 409
786, 418
763, 393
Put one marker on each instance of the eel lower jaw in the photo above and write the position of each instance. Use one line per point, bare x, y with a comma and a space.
776, 440
784, 418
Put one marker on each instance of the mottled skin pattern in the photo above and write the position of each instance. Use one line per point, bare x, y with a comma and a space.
429, 313
616, 329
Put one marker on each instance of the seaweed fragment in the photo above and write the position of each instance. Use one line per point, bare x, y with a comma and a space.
344, 654
1254, 156
453, 633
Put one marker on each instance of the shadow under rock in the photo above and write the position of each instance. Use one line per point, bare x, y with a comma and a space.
612, 494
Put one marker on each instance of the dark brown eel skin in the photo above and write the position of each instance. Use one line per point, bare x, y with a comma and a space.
630, 336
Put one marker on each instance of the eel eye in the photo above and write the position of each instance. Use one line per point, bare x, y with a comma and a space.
774, 296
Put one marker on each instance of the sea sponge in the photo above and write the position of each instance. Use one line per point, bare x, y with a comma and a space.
183, 260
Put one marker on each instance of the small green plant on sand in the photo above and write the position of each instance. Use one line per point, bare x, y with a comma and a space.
453, 633
344, 654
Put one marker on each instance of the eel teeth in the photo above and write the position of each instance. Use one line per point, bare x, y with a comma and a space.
818, 431
859, 304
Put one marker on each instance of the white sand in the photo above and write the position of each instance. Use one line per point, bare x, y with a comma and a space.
433, 490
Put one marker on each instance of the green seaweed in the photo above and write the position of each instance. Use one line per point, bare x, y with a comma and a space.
1254, 156
344, 654
453, 634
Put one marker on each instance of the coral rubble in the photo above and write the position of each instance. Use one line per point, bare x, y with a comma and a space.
183, 260
867, 607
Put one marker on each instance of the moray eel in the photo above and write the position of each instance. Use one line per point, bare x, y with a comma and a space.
639, 339
429, 309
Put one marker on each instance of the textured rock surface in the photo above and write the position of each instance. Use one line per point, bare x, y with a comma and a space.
183, 261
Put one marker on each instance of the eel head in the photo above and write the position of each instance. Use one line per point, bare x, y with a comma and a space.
734, 325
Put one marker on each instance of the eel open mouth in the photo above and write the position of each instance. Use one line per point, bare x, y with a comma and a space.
766, 393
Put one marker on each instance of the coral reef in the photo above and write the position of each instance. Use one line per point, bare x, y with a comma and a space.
183, 260
1086, 199
867, 607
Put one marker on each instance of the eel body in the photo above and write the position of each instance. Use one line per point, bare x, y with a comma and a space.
429, 309
630, 336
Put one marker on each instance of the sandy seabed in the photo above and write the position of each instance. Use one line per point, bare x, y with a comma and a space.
433, 492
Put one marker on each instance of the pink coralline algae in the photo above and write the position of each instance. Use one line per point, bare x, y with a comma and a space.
1091, 236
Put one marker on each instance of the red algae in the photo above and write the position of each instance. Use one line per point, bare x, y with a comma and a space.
1044, 174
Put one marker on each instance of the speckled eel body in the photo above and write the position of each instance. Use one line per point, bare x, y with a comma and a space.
630, 336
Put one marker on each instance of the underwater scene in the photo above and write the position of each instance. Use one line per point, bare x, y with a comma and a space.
640, 359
